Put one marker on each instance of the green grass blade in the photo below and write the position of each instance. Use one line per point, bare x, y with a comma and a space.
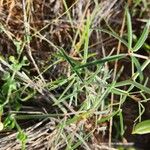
129, 27
121, 122
133, 83
71, 64
123, 83
36, 116
68, 12
141, 87
80, 141
143, 37
66, 90
87, 34
119, 91
108, 117
113, 34
138, 67
101, 61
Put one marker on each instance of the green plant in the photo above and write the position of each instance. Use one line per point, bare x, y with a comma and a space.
78, 100
142, 127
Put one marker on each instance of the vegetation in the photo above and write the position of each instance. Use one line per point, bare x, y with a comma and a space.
74, 74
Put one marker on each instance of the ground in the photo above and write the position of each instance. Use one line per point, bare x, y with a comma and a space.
74, 74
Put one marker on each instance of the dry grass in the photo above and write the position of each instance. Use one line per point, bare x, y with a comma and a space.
39, 30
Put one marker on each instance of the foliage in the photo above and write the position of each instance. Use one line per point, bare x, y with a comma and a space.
67, 71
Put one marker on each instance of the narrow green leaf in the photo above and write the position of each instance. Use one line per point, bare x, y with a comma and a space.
141, 87
81, 141
133, 83
129, 26
138, 67
115, 35
142, 127
123, 83
108, 117
121, 122
143, 37
103, 60
86, 37
36, 116
71, 64
119, 91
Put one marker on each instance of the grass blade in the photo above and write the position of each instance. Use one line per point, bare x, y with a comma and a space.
133, 83
138, 67
87, 34
121, 123
129, 27
143, 37
141, 87
101, 61
107, 117
115, 35
71, 64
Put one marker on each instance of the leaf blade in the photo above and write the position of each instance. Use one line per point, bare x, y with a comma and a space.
142, 38
129, 27
142, 127
103, 60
